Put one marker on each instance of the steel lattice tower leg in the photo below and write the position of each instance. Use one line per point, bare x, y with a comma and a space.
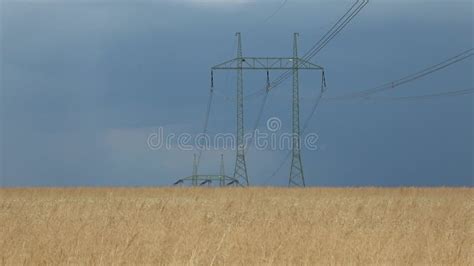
240, 172
222, 172
296, 172
195, 171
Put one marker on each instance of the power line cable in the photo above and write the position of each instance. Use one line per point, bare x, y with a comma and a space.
280, 7
330, 34
409, 78
260, 112
417, 97
208, 109
336, 32
305, 126
352, 12
333, 31
206, 122
423, 97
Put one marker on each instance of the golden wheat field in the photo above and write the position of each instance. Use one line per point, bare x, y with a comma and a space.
256, 226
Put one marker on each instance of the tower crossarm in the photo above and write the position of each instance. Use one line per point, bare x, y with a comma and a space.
266, 63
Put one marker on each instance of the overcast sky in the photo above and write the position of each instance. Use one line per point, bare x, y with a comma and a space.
84, 83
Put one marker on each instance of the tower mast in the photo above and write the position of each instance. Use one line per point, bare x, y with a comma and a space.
240, 172
296, 171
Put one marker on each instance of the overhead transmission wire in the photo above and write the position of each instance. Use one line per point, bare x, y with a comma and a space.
262, 105
392, 84
340, 24
424, 96
343, 21
318, 47
399, 82
276, 11
325, 37
409, 78
209, 107
335, 29
206, 119
226, 82
219, 91
305, 126
259, 114
376, 99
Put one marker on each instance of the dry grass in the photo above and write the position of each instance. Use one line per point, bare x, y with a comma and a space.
236, 226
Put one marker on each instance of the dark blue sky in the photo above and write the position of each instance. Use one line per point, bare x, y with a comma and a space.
83, 83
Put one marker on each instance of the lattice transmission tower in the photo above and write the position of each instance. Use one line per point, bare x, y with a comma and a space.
294, 64
196, 179
296, 171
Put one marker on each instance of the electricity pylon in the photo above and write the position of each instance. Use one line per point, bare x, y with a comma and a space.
296, 171
240, 172
241, 63
201, 180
